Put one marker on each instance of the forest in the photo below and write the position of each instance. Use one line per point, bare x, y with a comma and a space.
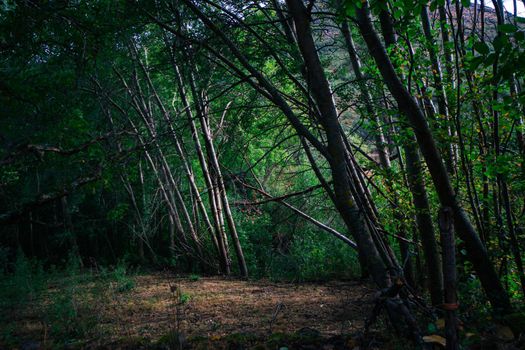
274, 174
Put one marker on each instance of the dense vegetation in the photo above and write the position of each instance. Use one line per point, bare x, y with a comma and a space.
291, 140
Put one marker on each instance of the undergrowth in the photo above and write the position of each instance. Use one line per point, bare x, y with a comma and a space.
71, 300
310, 255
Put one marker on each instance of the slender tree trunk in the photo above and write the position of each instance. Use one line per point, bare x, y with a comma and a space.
476, 251
382, 150
178, 147
321, 92
443, 111
446, 227
202, 109
144, 110
213, 199
416, 182
68, 225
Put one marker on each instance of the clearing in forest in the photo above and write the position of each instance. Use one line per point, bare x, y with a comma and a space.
147, 310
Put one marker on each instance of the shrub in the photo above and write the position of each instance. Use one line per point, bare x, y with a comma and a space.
194, 277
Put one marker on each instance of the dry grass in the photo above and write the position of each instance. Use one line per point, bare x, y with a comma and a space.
217, 307
220, 306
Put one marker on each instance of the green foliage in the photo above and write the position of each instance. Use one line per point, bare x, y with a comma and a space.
306, 255
184, 298
65, 314
320, 257
194, 277
122, 278
65, 72
22, 285
118, 212
71, 300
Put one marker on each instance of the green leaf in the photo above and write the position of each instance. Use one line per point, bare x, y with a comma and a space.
465, 3
507, 28
482, 48
350, 10
508, 100
475, 62
506, 71
521, 98
500, 42
431, 327
490, 59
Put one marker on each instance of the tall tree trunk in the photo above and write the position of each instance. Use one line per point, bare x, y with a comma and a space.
384, 156
213, 199
180, 151
202, 113
416, 182
476, 251
444, 115
68, 225
322, 94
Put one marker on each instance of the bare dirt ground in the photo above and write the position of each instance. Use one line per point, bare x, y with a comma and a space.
218, 307
163, 311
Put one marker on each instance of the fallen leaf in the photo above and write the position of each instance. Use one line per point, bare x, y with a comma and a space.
435, 339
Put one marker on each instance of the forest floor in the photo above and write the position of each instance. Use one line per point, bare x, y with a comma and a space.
159, 310
117, 310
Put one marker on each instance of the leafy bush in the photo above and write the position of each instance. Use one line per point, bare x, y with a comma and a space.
123, 279
184, 298
310, 255
194, 277
71, 300
24, 284
316, 256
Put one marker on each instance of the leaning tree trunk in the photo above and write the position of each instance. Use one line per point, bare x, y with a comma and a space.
322, 94
202, 114
180, 151
476, 251
213, 200
416, 184
383, 152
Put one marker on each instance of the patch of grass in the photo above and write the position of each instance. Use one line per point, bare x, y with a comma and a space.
241, 338
194, 277
23, 285
173, 339
67, 302
71, 311
125, 283
184, 298
293, 340
133, 342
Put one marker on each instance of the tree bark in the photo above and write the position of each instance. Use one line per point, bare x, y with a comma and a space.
476, 251
446, 228
416, 184
322, 94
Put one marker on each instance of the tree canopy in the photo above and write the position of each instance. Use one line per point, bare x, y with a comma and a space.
296, 140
